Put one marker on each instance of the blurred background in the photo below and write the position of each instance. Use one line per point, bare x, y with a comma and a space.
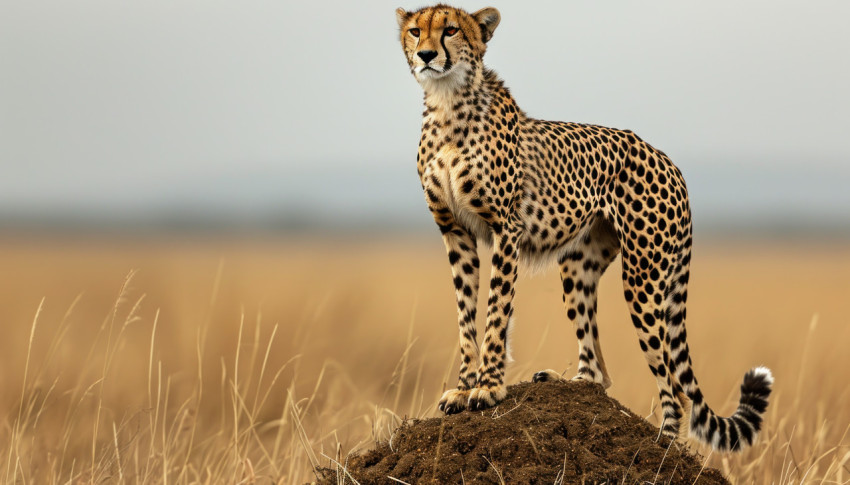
291, 116
217, 260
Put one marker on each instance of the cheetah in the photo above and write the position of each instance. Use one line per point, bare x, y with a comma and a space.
540, 192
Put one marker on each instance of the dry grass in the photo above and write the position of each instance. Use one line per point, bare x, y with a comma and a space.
249, 362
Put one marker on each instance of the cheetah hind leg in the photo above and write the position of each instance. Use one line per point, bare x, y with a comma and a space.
684, 424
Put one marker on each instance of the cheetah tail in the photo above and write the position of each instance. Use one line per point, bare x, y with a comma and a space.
738, 431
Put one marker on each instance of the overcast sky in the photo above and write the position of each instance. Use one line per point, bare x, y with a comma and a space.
137, 104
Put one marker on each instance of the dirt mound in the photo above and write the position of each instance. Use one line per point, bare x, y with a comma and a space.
559, 432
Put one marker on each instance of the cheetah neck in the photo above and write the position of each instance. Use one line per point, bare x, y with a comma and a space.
453, 106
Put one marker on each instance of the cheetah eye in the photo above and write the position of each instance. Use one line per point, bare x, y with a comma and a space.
414, 32
450, 31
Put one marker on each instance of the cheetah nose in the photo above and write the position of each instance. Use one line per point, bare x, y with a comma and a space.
427, 56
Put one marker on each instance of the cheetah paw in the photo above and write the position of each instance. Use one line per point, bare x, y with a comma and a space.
480, 398
605, 382
547, 375
453, 401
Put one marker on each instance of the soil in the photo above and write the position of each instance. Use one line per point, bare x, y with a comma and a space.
546, 433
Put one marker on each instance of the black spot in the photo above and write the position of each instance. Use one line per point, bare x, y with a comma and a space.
702, 417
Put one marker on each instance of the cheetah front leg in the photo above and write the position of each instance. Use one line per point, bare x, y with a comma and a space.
490, 387
463, 257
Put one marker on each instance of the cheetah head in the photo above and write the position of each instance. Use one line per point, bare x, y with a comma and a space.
442, 44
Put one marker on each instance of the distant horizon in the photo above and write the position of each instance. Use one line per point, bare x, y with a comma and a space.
726, 197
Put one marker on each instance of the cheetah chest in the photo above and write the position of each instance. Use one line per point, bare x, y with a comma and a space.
444, 176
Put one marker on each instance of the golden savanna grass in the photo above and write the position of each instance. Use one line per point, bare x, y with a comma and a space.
250, 362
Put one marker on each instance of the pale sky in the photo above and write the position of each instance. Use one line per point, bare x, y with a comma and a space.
141, 105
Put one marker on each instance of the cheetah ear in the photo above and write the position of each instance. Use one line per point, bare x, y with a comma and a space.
401, 15
488, 19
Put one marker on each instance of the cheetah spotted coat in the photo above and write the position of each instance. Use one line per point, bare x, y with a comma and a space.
543, 192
